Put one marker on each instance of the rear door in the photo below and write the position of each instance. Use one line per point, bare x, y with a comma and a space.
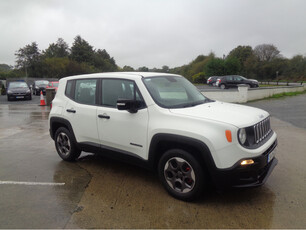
81, 109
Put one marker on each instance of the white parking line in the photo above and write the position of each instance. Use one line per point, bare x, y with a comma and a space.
30, 183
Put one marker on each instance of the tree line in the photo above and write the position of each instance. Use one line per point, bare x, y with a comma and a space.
58, 60
264, 62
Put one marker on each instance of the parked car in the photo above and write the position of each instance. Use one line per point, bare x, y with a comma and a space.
18, 90
162, 122
39, 86
211, 81
235, 80
53, 85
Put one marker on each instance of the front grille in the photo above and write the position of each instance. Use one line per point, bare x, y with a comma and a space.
262, 130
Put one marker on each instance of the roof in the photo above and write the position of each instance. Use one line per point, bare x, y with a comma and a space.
123, 74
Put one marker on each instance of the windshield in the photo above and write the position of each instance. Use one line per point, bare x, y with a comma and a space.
18, 85
174, 92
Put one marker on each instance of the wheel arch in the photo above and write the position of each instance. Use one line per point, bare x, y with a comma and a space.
56, 123
162, 142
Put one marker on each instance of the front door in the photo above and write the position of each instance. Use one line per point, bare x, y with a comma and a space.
120, 129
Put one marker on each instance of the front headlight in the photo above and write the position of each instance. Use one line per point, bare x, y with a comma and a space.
28, 91
242, 135
9, 92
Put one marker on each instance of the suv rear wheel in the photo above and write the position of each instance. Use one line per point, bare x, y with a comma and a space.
65, 145
222, 86
181, 174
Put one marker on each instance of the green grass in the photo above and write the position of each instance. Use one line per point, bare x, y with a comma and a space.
288, 94
280, 95
270, 85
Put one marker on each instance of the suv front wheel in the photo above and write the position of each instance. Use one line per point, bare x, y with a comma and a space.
181, 174
65, 145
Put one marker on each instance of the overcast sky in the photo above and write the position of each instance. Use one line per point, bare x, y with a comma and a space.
154, 33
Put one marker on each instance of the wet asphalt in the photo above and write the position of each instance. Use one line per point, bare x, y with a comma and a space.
96, 192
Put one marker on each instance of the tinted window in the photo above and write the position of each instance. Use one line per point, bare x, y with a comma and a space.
114, 89
85, 91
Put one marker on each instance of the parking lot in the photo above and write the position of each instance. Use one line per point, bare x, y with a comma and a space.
39, 190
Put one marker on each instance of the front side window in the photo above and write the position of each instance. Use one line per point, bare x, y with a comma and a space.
85, 91
114, 89
173, 92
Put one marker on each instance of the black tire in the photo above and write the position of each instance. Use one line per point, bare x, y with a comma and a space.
181, 174
223, 86
65, 145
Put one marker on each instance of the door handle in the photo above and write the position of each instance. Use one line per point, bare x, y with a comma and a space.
104, 116
71, 111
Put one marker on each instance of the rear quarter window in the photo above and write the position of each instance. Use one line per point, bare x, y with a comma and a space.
68, 91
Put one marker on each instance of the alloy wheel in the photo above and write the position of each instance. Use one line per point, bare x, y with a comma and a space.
179, 175
63, 143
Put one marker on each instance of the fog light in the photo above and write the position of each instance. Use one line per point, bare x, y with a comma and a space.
247, 162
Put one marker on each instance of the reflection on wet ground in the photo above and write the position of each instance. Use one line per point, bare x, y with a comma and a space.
102, 193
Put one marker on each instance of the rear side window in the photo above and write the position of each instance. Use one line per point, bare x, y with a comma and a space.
85, 91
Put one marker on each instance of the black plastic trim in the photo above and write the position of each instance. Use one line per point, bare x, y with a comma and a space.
113, 153
62, 122
247, 176
180, 141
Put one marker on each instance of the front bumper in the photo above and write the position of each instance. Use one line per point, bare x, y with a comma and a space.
19, 95
247, 175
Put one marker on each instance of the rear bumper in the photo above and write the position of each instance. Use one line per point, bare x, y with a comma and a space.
247, 176
37, 91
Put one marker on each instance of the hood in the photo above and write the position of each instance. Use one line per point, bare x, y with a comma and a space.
237, 115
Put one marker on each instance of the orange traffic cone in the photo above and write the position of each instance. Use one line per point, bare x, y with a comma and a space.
42, 100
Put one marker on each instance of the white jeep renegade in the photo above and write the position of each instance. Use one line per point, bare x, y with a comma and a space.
161, 121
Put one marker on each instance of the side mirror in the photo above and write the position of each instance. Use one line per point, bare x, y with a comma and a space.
127, 104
